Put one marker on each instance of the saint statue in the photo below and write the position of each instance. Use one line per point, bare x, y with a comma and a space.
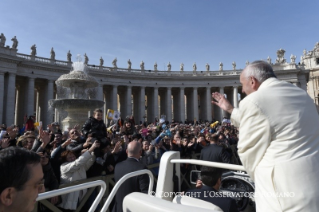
269, 60
114, 63
2, 40
169, 66
142, 65
15, 43
101, 61
221, 66
155, 66
33, 50
247, 63
304, 52
86, 59
52, 53
194, 67
182, 67
207, 67
280, 56
69, 56
234, 65
129, 64
293, 59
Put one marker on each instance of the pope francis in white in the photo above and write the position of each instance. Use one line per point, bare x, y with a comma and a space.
278, 140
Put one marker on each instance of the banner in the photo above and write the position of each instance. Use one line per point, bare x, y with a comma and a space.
113, 115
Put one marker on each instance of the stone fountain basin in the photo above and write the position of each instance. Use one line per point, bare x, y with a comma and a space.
73, 104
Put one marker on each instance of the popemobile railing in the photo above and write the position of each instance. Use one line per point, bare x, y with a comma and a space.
108, 180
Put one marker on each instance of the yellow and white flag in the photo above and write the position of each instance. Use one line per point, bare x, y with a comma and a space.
112, 114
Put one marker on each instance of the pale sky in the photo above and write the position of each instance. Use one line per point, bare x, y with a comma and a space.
162, 31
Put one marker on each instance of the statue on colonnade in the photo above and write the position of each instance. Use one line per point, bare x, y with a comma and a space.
52, 54
86, 59
281, 56
169, 66
114, 63
293, 59
69, 56
2, 40
33, 50
207, 67
15, 42
221, 66
155, 66
182, 67
142, 65
234, 65
101, 61
129, 64
194, 67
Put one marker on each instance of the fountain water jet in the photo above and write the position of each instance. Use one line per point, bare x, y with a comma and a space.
75, 93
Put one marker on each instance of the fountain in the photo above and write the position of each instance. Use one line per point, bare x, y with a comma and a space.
75, 95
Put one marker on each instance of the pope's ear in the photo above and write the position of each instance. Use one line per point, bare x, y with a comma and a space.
7, 196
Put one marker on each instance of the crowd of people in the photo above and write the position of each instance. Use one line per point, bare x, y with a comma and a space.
95, 149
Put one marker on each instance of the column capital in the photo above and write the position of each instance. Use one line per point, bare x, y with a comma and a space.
235, 86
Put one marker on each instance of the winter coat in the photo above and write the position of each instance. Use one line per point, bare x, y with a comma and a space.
94, 127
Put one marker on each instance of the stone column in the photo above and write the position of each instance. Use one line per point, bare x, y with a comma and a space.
50, 95
100, 95
10, 101
37, 106
141, 105
16, 112
168, 104
30, 97
182, 104
221, 91
155, 101
235, 96
195, 105
114, 98
128, 101
208, 104
1, 97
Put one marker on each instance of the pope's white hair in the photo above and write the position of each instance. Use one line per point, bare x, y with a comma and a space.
260, 70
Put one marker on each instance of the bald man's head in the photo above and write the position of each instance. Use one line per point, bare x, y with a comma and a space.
134, 149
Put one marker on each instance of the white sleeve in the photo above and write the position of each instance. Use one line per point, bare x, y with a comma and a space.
77, 164
254, 135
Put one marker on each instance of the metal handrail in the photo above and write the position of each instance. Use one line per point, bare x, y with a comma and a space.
120, 182
211, 164
61, 191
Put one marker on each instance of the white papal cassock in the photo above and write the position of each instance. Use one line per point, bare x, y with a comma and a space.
278, 146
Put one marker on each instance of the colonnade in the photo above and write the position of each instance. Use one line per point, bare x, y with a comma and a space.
27, 83
25, 96
178, 103
30, 96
